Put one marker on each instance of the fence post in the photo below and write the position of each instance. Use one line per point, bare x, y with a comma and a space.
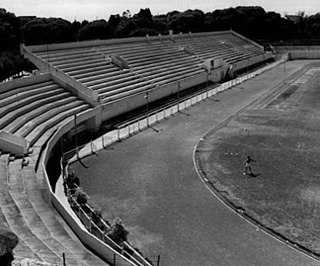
158, 261
102, 141
114, 259
64, 259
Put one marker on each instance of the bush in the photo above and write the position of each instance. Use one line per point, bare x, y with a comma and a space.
117, 231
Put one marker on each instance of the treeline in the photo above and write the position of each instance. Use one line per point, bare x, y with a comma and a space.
253, 22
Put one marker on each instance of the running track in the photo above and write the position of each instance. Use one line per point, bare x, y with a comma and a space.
149, 180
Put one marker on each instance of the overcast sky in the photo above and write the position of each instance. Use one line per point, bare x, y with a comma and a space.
102, 9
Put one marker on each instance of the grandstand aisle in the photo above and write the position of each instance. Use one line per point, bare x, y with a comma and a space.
167, 209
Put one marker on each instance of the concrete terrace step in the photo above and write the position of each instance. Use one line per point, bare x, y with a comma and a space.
83, 73
18, 109
61, 52
154, 55
111, 90
85, 66
21, 228
173, 62
110, 80
106, 76
116, 84
44, 137
153, 72
22, 250
155, 59
173, 72
36, 132
36, 113
33, 219
66, 66
76, 59
6, 94
52, 220
22, 95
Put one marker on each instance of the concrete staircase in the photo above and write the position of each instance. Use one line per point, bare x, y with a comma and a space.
42, 233
34, 112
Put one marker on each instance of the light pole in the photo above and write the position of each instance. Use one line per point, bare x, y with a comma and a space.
179, 94
75, 130
147, 101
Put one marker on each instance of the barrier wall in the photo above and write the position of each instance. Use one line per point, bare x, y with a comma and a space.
75, 87
312, 54
13, 144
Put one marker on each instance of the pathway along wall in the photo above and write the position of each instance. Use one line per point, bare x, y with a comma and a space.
90, 241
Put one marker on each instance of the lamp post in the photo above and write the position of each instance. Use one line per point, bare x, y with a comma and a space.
179, 94
147, 102
75, 130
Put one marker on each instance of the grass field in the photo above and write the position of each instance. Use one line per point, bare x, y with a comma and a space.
282, 135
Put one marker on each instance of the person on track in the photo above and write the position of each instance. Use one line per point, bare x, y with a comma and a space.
247, 163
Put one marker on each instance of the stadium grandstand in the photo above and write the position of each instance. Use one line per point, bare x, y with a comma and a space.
80, 86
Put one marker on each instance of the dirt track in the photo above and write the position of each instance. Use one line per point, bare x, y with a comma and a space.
150, 182
282, 134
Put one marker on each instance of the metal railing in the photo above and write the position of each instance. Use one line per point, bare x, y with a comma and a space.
85, 212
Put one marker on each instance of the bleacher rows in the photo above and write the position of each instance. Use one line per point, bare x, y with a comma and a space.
152, 64
34, 112
31, 110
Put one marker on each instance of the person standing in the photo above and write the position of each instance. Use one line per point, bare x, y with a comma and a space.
247, 163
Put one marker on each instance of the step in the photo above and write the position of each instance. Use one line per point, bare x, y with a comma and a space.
9, 93
108, 81
116, 84
18, 111
53, 221
35, 222
85, 66
79, 74
27, 119
68, 111
21, 95
22, 230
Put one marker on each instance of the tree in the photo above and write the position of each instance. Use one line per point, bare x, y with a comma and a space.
47, 30
9, 30
98, 29
117, 231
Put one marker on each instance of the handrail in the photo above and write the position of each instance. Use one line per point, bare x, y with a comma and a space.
135, 257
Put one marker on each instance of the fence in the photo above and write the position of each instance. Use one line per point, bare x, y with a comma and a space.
125, 130
98, 226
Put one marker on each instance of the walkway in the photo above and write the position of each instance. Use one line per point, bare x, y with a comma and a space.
149, 180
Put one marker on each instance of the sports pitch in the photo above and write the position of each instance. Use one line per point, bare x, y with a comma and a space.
282, 134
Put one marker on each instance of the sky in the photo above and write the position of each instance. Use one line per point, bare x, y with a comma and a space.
102, 9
